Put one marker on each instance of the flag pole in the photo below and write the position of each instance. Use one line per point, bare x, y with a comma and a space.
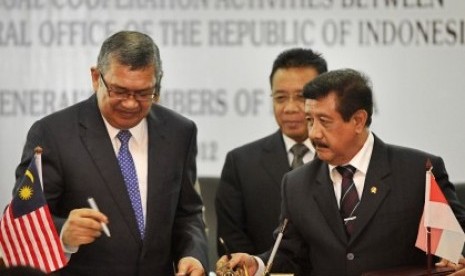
429, 167
428, 250
38, 162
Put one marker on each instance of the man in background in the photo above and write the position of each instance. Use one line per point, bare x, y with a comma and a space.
248, 197
135, 158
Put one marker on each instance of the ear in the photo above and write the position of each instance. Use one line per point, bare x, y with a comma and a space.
95, 74
360, 118
156, 98
158, 86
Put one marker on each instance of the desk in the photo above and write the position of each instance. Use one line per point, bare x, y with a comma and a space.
410, 271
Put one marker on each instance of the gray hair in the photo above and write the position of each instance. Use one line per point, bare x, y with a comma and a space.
133, 49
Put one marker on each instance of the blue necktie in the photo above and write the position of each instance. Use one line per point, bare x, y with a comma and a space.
128, 169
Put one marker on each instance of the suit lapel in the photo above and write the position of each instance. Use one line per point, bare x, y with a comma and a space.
326, 201
376, 187
95, 137
274, 159
158, 152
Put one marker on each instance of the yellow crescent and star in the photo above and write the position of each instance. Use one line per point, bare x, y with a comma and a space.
26, 192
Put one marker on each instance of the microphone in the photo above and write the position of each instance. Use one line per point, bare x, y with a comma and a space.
275, 248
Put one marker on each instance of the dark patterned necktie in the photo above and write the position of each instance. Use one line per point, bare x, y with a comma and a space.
128, 169
298, 150
349, 197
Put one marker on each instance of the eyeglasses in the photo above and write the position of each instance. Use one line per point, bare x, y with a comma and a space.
283, 98
124, 94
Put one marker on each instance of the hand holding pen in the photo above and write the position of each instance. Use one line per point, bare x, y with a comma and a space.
84, 225
93, 205
224, 269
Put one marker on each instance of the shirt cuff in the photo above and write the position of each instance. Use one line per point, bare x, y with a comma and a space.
66, 248
261, 266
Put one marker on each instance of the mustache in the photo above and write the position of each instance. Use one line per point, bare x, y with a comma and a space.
319, 144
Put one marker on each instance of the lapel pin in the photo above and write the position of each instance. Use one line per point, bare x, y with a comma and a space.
373, 190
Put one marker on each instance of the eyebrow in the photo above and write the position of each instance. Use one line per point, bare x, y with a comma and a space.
299, 91
127, 89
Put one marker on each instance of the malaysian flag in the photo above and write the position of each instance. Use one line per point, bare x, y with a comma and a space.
27, 234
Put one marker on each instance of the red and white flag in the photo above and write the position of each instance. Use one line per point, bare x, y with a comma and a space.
27, 234
447, 236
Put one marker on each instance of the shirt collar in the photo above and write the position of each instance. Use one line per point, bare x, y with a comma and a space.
362, 159
137, 132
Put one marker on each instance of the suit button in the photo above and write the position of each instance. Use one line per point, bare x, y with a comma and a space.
350, 256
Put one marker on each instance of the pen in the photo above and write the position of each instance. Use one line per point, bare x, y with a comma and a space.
275, 247
93, 205
225, 247
242, 270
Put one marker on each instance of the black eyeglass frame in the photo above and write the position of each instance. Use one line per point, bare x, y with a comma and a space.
141, 97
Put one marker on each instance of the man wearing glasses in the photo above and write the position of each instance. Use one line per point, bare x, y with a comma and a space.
248, 198
135, 158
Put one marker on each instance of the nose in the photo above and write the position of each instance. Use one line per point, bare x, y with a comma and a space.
130, 102
314, 131
293, 105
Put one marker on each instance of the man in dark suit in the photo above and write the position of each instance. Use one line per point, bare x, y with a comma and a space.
387, 189
156, 226
248, 196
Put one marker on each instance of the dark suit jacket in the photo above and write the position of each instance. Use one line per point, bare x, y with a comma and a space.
79, 162
387, 222
249, 194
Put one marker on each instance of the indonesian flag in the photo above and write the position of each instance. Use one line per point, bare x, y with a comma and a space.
447, 236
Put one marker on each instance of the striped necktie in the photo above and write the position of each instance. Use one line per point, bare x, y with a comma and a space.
349, 197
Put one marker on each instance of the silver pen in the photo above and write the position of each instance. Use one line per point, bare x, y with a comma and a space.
93, 205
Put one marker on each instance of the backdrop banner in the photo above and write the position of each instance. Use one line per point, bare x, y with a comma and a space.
217, 56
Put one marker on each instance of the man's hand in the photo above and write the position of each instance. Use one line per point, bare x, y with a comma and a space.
83, 226
460, 270
237, 260
190, 266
